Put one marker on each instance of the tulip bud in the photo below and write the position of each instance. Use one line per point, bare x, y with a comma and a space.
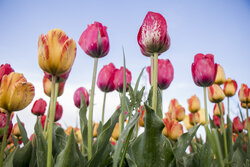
230, 87
47, 84
68, 130
56, 52
165, 73
15, 92
77, 135
245, 105
215, 93
178, 113
3, 120
5, 69
77, 96
202, 116
187, 123
217, 109
204, 70
216, 120
94, 40
10, 147
59, 112
220, 76
192, 119
173, 103
244, 94
142, 111
118, 80
39, 107
116, 133
193, 104
60, 78
15, 130
237, 125
105, 80
112, 141
152, 36
43, 119
172, 129
95, 129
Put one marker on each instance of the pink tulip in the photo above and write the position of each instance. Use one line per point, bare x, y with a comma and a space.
39, 107
105, 80
118, 80
216, 120
77, 96
94, 40
237, 125
165, 73
5, 69
152, 36
204, 70
59, 112
3, 120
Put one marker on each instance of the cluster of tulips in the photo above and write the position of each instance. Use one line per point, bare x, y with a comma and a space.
116, 142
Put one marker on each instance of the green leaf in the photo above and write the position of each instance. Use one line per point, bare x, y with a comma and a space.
151, 148
206, 155
237, 159
102, 141
229, 135
23, 156
159, 103
138, 81
139, 96
8, 162
15, 140
25, 139
83, 120
132, 97
131, 163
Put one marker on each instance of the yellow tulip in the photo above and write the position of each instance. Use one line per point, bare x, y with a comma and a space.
193, 104
220, 76
202, 116
15, 92
186, 123
215, 93
56, 52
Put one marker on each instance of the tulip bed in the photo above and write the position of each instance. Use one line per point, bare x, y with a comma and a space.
117, 142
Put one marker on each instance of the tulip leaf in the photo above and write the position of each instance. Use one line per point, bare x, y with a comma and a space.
99, 129
8, 162
206, 155
83, 120
229, 135
237, 159
15, 140
159, 101
69, 156
23, 155
131, 163
124, 137
132, 98
151, 148
102, 141
25, 139
33, 160
139, 96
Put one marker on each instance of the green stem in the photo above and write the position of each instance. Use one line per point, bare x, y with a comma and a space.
228, 110
4, 141
90, 133
46, 120
152, 68
154, 103
51, 118
248, 125
205, 103
222, 126
103, 107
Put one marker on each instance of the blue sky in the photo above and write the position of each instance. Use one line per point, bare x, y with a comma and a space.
210, 26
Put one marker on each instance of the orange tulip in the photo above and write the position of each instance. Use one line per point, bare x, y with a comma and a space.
187, 123
220, 75
193, 104
244, 94
16, 131
116, 133
142, 111
245, 105
230, 87
95, 129
215, 93
173, 129
192, 119
176, 110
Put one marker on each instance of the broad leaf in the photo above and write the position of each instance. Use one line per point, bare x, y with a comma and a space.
25, 139
23, 155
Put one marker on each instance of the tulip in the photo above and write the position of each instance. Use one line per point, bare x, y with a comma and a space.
112, 141
3, 121
5, 69
56, 52
245, 105
152, 36
32, 137
194, 118
116, 132
244, 94
77, 96
94, 40
142, 111
187, 123
215, 93
118, 80
216, 109
245, 123
202, 116
43, 119
16, 131
59, 112
95, 129
47, 84
220, 76
237, 125
60, 78
39, 107
105, 80
193, 104
230, 87
178, 113
165, 73
77, 135
68, 130
5, 111
216, 120
172, 129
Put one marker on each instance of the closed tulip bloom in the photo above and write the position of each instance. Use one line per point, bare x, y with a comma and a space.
193, 104
95, 129
202, 116
245, 105
165, 73
237, 125
216, 120
187, 123
173, 103
116, 133
178, 113
15, 130
220, 76
43, 119
216, 109
192, 119
118, 80
77, 96
59, 112
15, 92
47, 84
94, 40
244, 94
230, 87
152, 36
142, 111
204, 70
60, 78
3, 120
215, 93
56, 52
172, 129
39, 107
105, 80
77, 135
5, 69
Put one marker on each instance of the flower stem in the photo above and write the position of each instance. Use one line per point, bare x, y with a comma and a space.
152, 68
90, 133
4, 141
248, 125
154, 102
46, 120
205, 103
103, 107
228, 110
53, 98
222, 126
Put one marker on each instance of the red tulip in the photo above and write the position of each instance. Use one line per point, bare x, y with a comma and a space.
204, 70
118, 80
105, 80
3, 119
59, 112
5, 69
237, 125
43, 119
165, 73
152, 36
77, 96
39, 107
216, 120
94, 40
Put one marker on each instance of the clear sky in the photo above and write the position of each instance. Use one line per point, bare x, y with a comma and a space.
209, 26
